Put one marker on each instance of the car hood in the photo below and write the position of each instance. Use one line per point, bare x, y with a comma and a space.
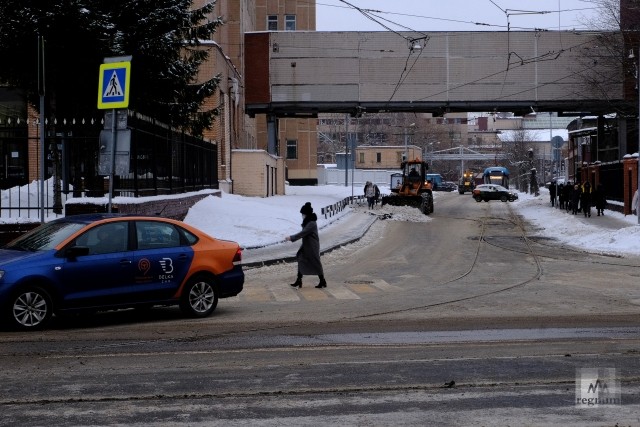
9, 255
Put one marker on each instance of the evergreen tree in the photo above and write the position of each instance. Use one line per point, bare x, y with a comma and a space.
162, 36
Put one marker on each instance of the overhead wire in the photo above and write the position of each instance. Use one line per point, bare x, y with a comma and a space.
405, 72
365, 13
404, 76
375, 16
549, 56
475, 23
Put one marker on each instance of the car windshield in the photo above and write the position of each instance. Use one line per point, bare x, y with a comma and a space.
44, 237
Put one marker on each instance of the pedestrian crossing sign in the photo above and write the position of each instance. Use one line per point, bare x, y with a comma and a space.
113, 88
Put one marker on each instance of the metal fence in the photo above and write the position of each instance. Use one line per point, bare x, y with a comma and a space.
161, 160
331, 210
23, 202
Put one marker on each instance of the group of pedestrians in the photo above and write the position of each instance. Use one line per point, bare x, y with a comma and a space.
372, 193
578, 198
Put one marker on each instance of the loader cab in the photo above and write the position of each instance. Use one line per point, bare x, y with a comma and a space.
414, 175
415, 170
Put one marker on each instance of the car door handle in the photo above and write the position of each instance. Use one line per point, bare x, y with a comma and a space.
182, 257
124, 262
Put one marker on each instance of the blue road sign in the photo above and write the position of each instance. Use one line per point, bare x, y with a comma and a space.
113, 88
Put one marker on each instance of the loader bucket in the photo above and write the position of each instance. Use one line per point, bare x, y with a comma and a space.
397, 200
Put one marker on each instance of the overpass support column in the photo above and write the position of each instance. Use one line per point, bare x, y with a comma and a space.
272, 134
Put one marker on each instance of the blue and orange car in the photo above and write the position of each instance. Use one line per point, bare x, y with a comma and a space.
99, 262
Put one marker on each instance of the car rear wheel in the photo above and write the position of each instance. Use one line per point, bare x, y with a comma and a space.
31, 308
200, 297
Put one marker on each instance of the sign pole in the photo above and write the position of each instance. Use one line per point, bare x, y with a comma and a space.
112, 170
113, 92
43, 154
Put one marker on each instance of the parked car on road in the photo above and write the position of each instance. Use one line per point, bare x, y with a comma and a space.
488, 192
449, 186
101, 262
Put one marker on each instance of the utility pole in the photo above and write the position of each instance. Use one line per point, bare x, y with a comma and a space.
346, 156
43, 155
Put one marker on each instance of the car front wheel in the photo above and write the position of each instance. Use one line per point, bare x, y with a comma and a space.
199, 298
503, 198
478, 199
31, 308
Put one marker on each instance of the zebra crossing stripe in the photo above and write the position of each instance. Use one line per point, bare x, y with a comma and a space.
280, 293
340, 292
384, 286
311, 294
363, 289
285, 293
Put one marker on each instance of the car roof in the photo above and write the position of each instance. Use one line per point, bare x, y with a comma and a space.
91, 217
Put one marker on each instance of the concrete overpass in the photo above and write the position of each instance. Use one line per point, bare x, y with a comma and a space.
301, 74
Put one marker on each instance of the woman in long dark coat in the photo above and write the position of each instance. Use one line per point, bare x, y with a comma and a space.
309, 253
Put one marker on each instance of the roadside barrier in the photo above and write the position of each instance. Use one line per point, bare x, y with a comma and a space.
331, 210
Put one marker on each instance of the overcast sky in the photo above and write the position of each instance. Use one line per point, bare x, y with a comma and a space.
453, 15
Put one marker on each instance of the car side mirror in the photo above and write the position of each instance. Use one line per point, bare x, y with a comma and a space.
76, 251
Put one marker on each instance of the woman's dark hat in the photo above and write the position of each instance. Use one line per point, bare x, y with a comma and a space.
306, 209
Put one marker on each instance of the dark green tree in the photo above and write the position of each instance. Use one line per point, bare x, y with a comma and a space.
162, 36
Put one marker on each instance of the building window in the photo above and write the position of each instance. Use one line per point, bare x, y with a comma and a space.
272, 23
292, 149
290, 22
399, 156
361, 158
379, 157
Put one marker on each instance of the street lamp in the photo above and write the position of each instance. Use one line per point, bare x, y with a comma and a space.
431, 147
637, 65
406, 141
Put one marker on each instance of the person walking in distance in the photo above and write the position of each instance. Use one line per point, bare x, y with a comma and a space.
308, 255
600, 199
575, 199
552, 193
561, 193
585, 199
371, 192
568, 194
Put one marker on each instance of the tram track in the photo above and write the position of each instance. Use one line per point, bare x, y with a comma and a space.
481, 239
559, 252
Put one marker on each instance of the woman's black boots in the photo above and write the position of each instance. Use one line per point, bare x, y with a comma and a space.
323, 283
298, 282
